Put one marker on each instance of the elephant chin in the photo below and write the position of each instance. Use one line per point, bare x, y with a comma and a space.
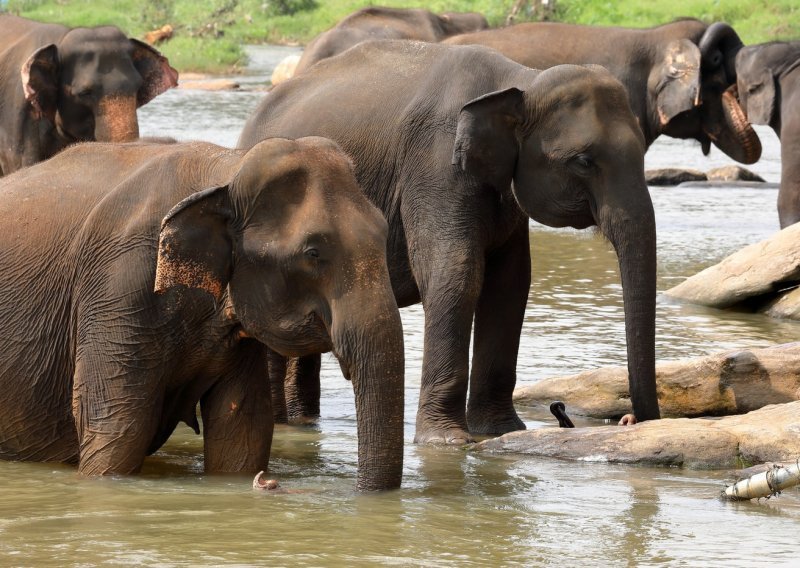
745, 146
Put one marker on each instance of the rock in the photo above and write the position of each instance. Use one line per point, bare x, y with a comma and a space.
209, 84
285, 69
730, 184
771, 433
672, 176
725, 383
764, 270
733, 173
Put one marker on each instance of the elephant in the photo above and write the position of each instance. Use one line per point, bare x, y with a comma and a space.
60, 86
376, 22
678, 75
768, 80
140, 279
458, 146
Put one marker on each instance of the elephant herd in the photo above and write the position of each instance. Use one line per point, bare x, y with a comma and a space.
139, 279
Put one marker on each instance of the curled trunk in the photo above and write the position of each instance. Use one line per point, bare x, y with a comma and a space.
719, 46
734, 136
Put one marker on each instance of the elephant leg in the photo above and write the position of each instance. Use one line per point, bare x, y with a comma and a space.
302, 388
498, 324
277, 377
789, 192
116, 407
237, 415
448, 297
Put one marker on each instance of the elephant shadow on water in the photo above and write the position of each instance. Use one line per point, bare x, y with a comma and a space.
276, 245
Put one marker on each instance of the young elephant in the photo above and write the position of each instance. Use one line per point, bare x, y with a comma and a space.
768, 77
59, 86
458, 146
139, 279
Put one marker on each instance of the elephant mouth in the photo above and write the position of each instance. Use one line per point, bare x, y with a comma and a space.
308, 337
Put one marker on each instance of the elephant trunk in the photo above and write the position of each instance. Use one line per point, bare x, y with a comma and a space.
626, 218
719, 46
369, 346
725, 123
116, 119
746, 146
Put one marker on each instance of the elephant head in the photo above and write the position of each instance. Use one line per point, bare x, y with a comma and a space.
572, 151
694, 99
91, 83
759, 69
302, 254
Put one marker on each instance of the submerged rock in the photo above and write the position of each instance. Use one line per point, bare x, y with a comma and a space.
763, 272
725, 383
733, 173
771, 433
697, 178
672, 176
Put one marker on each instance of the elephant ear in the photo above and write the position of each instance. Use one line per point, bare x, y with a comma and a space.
758, 94
487, 138
677, 79
195, 247
157, 74
40, 82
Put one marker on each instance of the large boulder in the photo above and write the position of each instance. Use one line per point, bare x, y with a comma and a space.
725, 383
762, 272
768, 434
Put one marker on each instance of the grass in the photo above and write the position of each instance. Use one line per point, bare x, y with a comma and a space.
209, 33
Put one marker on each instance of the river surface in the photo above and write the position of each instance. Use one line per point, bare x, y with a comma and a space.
455, 508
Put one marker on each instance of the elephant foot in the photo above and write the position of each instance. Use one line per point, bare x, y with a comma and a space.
303, 420
493, 423
443, 436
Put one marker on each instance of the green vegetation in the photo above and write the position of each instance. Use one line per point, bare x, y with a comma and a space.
209, 33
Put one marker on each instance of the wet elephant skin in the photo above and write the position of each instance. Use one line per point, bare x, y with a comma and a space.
60, 86
458, 146
137, 280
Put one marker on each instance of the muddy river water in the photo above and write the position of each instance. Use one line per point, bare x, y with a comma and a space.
456, 508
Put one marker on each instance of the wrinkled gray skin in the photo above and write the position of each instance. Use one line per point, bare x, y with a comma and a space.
676, 74
137, 280
376, 22
59, 86
458, 146
769, 90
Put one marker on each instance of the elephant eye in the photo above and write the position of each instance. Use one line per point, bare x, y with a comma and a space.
311, 252
582, 164
83, 93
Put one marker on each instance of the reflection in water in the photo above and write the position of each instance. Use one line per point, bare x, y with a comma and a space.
455, 508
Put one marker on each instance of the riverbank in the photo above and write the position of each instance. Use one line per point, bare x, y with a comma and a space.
209, 34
